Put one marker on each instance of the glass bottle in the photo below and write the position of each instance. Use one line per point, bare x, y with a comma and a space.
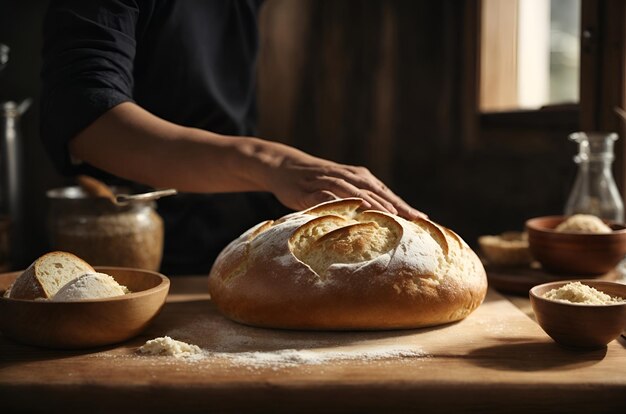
595, 191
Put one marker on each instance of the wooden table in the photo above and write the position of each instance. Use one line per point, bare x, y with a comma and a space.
496, 360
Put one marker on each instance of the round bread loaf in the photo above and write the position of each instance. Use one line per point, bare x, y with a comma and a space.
337, 267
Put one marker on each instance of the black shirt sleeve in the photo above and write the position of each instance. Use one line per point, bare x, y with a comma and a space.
88, 53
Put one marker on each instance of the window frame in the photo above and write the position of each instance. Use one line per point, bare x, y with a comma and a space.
602, 81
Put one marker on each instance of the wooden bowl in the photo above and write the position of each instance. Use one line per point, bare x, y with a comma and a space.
575, 253
85, 324
577, 325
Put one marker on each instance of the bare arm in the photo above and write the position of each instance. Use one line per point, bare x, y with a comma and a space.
134, 144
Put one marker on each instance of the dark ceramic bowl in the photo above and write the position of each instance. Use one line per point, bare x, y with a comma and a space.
577, 325
575, 253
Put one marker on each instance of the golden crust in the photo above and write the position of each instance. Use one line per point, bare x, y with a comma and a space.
27, 286
368, 270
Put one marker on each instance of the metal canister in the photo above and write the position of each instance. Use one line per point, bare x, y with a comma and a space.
11, 174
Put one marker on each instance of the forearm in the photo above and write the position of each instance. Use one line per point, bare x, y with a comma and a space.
132, 143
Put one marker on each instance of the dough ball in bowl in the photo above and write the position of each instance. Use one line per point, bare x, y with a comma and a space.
583, 223
336, 266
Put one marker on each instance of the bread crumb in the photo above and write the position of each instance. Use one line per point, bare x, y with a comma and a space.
578, 293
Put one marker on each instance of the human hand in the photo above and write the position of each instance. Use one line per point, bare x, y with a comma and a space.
300, 181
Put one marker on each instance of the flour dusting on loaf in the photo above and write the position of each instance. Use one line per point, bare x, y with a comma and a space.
89, 286
336, 266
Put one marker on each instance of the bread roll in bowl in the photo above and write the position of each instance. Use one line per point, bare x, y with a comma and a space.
337, 267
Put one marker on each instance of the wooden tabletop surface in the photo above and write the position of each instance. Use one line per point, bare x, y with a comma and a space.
496, 360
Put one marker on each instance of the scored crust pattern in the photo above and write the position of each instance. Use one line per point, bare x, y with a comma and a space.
335, 266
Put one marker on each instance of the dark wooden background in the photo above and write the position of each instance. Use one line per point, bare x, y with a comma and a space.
388, 84
384, 83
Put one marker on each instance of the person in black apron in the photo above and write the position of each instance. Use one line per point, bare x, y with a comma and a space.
162, 93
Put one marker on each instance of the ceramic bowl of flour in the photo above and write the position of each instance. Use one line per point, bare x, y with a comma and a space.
86, 323
580, 313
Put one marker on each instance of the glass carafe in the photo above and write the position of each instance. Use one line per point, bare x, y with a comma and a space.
595, 191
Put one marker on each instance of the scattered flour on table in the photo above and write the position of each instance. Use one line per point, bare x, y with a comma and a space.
293, 357
166, 346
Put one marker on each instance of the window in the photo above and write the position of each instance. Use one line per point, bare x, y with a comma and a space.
530, 54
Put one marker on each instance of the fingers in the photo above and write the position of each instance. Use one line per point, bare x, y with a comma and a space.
343, 188
363, 178
399, 207
305, 181
317, 197
388, 205
347, 181
411, 213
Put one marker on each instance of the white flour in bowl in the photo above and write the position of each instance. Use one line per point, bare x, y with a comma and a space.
579, 293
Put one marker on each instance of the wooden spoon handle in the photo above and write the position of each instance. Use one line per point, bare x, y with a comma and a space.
95, 188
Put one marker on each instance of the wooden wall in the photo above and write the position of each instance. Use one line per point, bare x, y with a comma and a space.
384, 84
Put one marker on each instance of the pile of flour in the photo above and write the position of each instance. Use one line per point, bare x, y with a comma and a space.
167, 346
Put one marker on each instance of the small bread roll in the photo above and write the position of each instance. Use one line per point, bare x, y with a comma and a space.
335, 266
507, 249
